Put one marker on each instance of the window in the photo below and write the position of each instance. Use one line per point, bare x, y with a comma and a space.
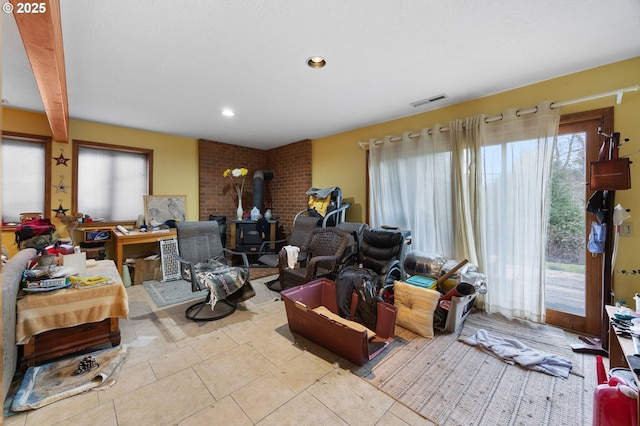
110, 181
26, 176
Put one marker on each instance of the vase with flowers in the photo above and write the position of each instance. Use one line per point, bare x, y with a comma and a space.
237, 176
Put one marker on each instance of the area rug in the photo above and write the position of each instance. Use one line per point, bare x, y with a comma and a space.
452, 383
178, 291
48, 383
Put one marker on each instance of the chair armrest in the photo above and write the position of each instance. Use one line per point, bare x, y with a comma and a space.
195, 286
263, 247
312, 267
392, 264
245, 260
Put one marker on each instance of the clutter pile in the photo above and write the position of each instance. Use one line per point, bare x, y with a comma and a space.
458, 282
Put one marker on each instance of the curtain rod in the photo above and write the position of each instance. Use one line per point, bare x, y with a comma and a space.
618, 93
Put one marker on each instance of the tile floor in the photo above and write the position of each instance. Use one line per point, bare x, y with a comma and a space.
246, 369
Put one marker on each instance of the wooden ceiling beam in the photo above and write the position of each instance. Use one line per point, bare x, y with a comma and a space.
41, 32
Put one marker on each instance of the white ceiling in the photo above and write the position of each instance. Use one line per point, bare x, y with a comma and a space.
172, 66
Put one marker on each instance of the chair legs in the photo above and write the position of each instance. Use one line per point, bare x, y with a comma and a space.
274, 285
202, 311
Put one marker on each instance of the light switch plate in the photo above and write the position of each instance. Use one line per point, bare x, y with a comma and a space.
626, 229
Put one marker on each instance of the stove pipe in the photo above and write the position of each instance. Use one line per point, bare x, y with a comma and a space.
258, 186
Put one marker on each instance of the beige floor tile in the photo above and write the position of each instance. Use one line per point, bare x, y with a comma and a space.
165, 402
213, 344
390, 420
232, 370
102, 415
275, 348
300, 373
354, 400
61, 410
131, 378
303, 410
246, 331
409, 416
262, 396
148, 346
223, 412
15, 420
174, 361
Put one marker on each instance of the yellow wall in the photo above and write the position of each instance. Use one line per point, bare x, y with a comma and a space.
175, 159
338, 160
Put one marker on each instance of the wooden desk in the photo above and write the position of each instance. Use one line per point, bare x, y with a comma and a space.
619, 348
61, 322
137, 237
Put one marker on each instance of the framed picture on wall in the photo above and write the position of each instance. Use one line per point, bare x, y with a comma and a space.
160, 208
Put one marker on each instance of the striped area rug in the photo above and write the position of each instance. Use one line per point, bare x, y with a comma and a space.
451, 383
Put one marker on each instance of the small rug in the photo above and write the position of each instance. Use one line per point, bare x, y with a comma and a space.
452, 383
48, 383
174, 292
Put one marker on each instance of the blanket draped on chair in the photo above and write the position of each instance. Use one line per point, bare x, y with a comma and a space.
224, 281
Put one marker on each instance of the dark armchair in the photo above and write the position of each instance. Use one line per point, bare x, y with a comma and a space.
381, 252
325, 248
302, 227
203, 263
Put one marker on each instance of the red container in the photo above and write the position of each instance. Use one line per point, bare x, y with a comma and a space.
615, 403
347, 342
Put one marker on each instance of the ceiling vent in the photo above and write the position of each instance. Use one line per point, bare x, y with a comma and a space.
428, 100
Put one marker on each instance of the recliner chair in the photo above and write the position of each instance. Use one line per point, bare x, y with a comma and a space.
381, 251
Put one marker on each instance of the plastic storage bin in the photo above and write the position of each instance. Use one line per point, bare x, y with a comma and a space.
345, 341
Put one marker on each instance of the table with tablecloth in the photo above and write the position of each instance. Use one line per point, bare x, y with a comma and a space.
70, 308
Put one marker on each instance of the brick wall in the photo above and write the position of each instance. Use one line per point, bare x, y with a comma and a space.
292, 166
292, 169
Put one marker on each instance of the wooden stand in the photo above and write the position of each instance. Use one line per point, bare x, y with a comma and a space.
64, 341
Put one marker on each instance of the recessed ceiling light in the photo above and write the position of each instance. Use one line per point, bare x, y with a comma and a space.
316, 62
227, 112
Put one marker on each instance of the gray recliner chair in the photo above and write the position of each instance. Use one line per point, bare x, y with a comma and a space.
203, 263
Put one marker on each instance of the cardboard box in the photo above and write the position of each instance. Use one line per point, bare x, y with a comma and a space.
345, 341
146, 269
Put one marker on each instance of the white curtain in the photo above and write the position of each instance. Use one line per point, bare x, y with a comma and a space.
410, 188
479, 191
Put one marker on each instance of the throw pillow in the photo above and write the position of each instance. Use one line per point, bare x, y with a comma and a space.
416, 306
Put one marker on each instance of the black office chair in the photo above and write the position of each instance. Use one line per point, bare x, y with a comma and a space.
381, 252
203, 263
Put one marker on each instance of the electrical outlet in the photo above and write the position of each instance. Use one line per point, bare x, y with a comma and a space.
626, 229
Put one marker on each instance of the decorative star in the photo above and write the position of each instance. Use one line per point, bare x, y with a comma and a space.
61, 187
61, 159
60, 210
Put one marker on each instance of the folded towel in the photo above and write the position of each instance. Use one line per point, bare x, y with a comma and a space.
292, 255
514, 351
